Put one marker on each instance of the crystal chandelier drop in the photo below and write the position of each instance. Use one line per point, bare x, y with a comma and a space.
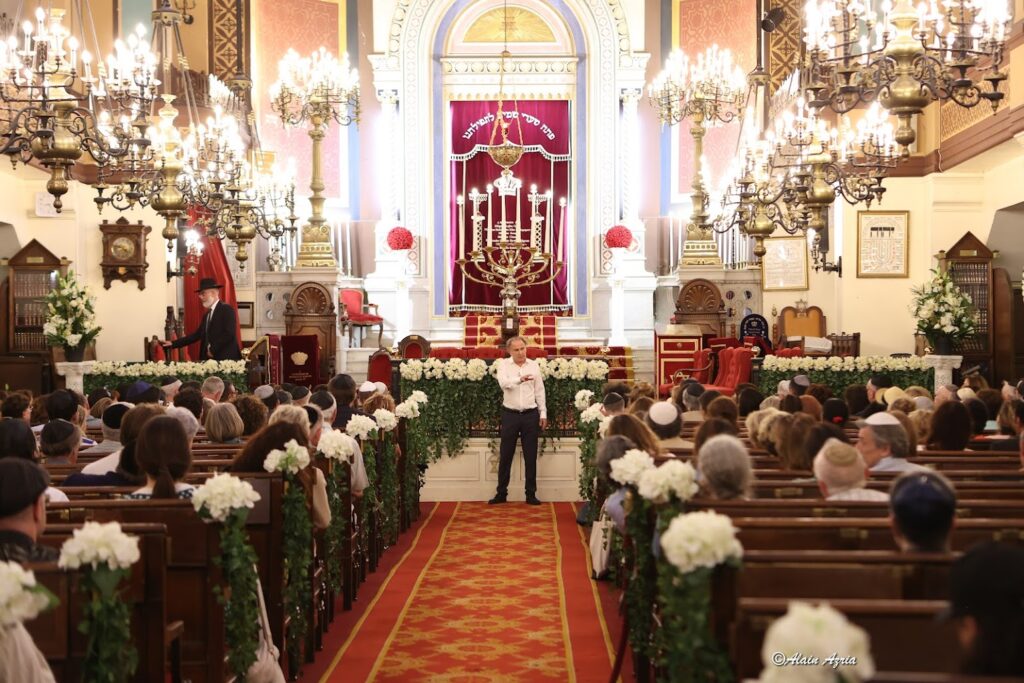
54, 108
905, 57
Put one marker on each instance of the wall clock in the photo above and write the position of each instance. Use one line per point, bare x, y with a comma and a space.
124, 252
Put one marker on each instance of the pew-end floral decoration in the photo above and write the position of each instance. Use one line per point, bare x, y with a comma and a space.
821, 632
291, 460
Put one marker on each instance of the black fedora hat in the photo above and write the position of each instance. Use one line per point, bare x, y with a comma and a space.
208, 283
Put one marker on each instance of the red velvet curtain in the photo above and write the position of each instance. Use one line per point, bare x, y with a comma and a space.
212, 264
544, 122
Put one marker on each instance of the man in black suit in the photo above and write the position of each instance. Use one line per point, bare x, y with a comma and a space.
217, 331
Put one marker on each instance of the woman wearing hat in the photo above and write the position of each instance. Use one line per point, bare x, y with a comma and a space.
217, 333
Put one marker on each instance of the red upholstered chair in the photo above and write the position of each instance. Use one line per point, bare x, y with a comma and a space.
354, 312
743, 359
702, 372
724, 366
536, 352
378, 367
413, 346
726, 342
487, 352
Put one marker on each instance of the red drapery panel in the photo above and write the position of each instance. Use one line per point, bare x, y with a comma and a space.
545, 123
214, 264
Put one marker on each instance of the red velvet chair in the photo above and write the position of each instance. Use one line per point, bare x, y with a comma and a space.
378, 368
447, 352
354, 312
487, 352
413, 346
536, 352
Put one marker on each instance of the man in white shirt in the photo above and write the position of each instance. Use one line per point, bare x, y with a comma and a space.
884, 445
523, 414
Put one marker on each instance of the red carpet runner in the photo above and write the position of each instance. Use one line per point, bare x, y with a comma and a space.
483, 593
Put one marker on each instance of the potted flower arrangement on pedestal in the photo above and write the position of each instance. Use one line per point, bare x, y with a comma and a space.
944, 313
71, 320
618, 239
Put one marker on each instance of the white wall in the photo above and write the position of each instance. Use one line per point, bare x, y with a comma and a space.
125, 313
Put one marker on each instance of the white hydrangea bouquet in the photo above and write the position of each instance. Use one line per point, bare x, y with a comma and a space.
628, 469
105, 554
674, 479
336, 445
21, 597
71, 316
943, 310
227, 499
291, 460
692, 547
840, 650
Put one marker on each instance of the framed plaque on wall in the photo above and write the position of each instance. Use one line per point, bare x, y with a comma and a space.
883, 241
784, 265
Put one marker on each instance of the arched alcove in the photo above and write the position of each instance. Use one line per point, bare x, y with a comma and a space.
1007, 236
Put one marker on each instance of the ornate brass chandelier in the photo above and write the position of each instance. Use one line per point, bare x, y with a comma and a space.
54, 109
316, 90
905, 58
709, 92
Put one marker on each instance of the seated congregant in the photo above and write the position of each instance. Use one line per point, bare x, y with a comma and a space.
120, 467
712, 427
608, 449
834, 411
724, 467
636, 431
841, 473
253, 413
613, 404
951, 427
16, 406
945, 393
18, 442
724, 408
23, 486
111, 428
690, 394
884, 445
666, 422
748, 401
640, 406
59, 442
875, 388
164, 454
224, 424
923, 510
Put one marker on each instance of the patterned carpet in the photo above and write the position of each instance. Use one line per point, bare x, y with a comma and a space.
489, 593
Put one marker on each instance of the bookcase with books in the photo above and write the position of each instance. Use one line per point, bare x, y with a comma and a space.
32, 274
969, 263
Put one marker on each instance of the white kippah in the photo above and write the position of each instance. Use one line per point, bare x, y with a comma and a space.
172, 385
380, 387
883, 419
263, 391
367, 388
663, 413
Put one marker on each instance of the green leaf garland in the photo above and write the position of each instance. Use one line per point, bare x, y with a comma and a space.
110, 656
298, 556
241, 606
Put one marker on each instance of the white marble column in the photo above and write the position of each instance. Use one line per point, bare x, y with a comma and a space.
630, 158
74, 374
944, 367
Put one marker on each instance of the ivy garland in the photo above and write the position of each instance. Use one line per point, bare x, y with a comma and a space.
369, 501
241, 606
458, 407
337, 486
640, 590
388, 477
110, 656
298, 541
687, 650
588, 467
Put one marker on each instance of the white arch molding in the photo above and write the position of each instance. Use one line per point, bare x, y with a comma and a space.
406, 84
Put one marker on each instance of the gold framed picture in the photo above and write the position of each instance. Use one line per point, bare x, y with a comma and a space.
784, 265
883, 243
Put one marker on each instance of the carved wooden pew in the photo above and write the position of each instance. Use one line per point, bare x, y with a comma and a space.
802, 507
56, 631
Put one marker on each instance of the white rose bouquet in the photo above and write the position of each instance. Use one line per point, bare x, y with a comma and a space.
418, 397
222, 494
385, 419
700, 539
411, 370
407, 409
71, 316
21, 598
360, 426
629, 468
336, 445
841, 648
293, 458
591, 414
95, 544
476, 370
582, 399
673, 478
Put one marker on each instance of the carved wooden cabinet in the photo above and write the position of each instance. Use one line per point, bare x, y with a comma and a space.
700, 303
310, 310
969, 264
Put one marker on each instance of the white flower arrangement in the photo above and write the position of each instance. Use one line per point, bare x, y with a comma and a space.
941, 308
602, 427
847, 364
629, 468
475, 370
222, 494
95, 544
418, 397
21, 598
582, 399
591, 414
293, 458
672, 478
842, 649
360, 426
337, 445
385, 419
71, 316
407, 409
411, 370
702, 539
159, 369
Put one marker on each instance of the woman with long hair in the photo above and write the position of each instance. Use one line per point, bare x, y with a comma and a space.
164, 456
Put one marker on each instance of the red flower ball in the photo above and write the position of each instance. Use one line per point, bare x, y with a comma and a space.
618, 237
399, 238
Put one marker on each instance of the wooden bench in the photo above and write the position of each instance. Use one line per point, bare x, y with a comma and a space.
801, 507
56, 631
